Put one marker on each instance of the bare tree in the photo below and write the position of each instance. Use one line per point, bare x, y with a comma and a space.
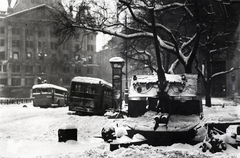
173, 27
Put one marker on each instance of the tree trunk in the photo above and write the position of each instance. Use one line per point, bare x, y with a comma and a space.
208, 93
188, 68
160, 71
162, 95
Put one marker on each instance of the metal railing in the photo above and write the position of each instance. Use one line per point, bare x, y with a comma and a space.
15, 100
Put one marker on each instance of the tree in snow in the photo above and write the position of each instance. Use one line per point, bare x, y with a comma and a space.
218, 22
95, 16
218, 40
172, 27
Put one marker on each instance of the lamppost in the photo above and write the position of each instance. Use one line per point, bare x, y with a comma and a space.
117, 64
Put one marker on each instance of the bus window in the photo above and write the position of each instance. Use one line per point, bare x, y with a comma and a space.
45, 90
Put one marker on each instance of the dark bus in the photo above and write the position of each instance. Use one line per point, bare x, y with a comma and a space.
90, 95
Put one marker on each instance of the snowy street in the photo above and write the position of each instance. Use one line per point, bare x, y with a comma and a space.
33, 132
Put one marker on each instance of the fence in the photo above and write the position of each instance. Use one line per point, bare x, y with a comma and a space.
15, 100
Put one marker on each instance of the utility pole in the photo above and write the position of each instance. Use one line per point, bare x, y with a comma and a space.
126, 61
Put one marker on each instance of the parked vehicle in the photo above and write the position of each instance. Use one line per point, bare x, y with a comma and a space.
90, 95
49, 95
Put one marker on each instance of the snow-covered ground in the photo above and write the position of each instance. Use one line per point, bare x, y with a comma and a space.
33, 132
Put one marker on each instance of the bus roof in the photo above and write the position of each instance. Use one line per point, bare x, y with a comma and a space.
48, 85
90, 80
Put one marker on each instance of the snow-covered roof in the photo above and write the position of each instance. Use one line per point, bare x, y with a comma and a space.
29, 9
116, 60
48, 85
91, 80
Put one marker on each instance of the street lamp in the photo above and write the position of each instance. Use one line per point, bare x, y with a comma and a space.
117, 64
42, 56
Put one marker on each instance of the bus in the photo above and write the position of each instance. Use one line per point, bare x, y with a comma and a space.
49, 95
90, 95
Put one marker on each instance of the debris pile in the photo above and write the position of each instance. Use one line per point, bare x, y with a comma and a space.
218, 142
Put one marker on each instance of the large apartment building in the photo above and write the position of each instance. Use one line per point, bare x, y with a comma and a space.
29, 50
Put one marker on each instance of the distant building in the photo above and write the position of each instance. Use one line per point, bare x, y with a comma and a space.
29, 50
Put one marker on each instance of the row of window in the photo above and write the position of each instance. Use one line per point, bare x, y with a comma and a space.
42, 69
28, 81
28, 32
42, 56
53, 45
41, 1
28, 68
41, 33
17, 81
90, 89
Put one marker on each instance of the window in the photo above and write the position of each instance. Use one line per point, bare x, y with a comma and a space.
42, 69
39, 44
90, 59
77, 70
3, 81
2, 55
53, 46
29, 44
54, 57
16, 81
28, 55
29, 69
39, 34
77, 47
15, 43
16, 31
15, 68
28, 32
15, 55
54, 69
90, 47
66, 46
2, 30
90, 37
29, 81
4, 68
66, 69
65, 57
13, 31
90, 70
2, 43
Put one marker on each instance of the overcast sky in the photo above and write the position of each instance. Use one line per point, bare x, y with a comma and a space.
3, 5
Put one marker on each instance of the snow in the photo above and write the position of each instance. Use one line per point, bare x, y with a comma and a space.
116, 60
33, 132
175, 82
47, 85
90, 80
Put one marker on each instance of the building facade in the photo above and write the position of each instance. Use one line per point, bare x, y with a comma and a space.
29, 51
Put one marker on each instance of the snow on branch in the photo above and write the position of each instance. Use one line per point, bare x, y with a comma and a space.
224, 72
173, 5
